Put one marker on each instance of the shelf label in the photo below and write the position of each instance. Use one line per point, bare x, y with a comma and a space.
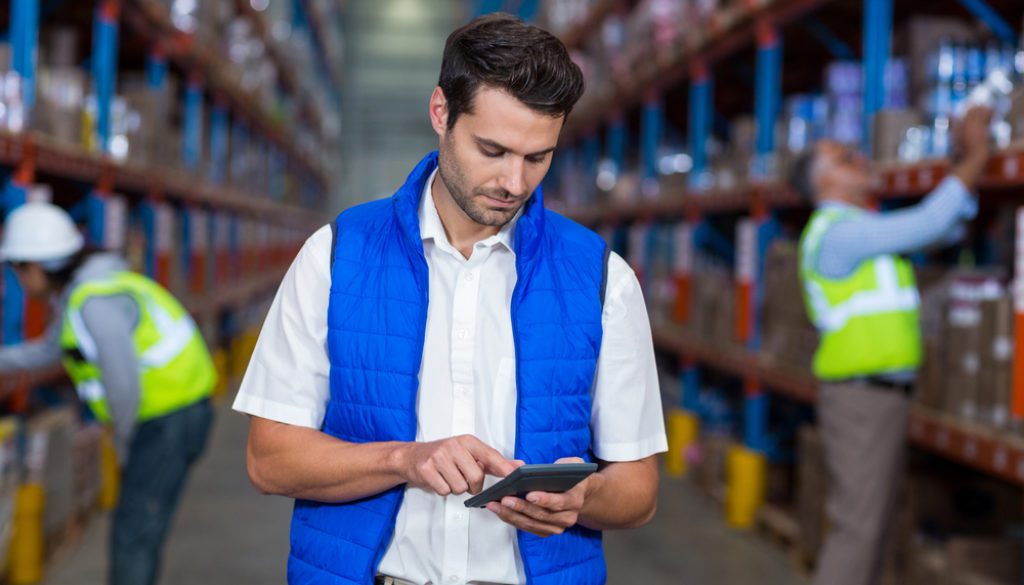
164, 228
746, 256
970, 449
1011, 166
115, 211
684, 249
925, 178
901, 181
1000, 459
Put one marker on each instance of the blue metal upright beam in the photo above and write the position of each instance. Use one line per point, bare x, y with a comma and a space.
701, 118
219, 130
192, 137
104, 67
156, 78
877, 48
24, 35
983, 12
767, 93
650, 135
617, 138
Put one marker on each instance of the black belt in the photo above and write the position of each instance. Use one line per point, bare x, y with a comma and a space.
905, 387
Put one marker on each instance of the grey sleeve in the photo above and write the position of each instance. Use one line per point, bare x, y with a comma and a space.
935, 220
111, 322
33, 355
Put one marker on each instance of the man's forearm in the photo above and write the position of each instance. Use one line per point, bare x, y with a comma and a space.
624, 495
307, 464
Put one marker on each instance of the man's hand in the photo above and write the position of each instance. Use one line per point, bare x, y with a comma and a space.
452, 466
546, 514
973, 145
974, 133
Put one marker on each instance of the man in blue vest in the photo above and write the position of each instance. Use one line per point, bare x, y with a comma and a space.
425, 345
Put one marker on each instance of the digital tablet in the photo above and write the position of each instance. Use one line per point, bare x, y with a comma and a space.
554, 478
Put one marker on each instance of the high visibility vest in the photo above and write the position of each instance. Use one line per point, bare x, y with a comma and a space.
175, 367
869, 321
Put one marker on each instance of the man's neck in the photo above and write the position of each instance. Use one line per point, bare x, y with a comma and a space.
461, 230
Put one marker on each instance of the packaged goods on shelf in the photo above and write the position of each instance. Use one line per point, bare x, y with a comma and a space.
11, 471
789, 338
60, 96
49, 463
86, 467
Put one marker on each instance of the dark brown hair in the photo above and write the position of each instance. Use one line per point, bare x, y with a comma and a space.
502, 52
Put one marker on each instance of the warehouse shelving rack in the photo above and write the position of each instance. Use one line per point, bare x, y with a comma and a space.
29, 154
759, 23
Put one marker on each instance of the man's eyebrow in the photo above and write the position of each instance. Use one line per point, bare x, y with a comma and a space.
499, 146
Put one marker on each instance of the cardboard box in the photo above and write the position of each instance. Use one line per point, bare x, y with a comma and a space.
889, 129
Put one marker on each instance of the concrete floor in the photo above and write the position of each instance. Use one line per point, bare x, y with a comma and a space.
227, 533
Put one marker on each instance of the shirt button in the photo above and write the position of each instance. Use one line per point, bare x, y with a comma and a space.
462, 333
458, 515
469, 277
453, 578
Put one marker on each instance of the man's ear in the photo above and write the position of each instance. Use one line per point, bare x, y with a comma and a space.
439, 112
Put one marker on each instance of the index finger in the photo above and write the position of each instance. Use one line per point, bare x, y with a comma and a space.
493, 461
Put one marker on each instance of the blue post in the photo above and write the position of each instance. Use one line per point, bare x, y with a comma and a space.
617, 139
239, 152
234, 247
104, 67
185, 248
650, 136
767, 94
96, 218
13, 326
691, 388
156, 70
24, 35
193, 125
219, 128
983, 12
701, 117
877, 43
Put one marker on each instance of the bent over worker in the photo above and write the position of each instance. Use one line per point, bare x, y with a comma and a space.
138, 362
422, 346
862, 297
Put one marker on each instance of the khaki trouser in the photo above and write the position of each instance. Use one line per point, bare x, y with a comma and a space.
864, 434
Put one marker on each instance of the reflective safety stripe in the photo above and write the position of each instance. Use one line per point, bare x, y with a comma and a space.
91, 390
887, 297
85, 341
174, 338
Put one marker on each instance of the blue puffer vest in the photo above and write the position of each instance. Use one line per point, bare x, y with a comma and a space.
376, 323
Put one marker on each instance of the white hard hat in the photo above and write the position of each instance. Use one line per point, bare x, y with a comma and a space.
39, 232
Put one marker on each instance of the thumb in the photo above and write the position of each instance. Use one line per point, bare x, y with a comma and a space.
570, 460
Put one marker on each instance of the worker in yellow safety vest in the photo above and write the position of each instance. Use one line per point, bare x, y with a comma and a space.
862, 297
138, 361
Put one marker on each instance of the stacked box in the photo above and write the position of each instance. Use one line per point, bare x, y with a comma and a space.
86, 468
996, 381
812, 485
789, 337
965, 343
49, 462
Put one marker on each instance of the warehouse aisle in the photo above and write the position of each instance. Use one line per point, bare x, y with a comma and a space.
227, 533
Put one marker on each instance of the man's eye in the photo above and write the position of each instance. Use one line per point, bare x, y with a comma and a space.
536, 159
491, 154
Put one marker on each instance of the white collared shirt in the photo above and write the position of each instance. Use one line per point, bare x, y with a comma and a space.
467, 386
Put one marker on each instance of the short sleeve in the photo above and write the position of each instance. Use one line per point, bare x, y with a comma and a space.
626, 417
288, 376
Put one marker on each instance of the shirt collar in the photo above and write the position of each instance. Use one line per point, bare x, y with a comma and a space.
431, 227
